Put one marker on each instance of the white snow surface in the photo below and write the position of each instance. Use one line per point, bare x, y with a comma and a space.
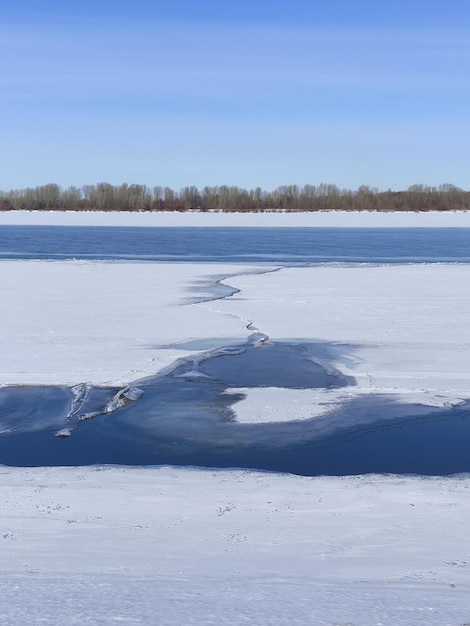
106, 323
172, 546
168, 546
332, 219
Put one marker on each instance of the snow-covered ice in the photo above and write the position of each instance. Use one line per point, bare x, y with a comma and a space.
398, 330
101, 322
107, 545
404, 329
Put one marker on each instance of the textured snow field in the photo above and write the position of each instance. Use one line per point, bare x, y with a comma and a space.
181, 546
164, 546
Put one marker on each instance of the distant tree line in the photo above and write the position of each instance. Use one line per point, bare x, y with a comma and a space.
290, 198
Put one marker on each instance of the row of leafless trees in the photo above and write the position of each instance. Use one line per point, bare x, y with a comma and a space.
107, 197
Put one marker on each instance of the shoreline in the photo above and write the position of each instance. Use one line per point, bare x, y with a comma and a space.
275, 219
205, 543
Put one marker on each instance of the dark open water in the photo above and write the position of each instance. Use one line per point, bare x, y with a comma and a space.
184, 417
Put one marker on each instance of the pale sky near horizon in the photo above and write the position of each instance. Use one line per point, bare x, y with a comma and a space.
248, 93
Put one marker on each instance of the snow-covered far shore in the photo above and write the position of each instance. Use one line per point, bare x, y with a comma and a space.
320, 219
170, 546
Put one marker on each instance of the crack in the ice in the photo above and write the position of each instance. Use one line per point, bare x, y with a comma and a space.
129, 393
261, 337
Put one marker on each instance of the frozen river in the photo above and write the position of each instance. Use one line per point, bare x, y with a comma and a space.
308, 351
220, 389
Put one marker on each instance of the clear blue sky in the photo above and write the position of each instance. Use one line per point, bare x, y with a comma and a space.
243, 92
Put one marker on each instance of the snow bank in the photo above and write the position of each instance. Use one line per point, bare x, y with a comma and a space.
332, 219
180, 546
